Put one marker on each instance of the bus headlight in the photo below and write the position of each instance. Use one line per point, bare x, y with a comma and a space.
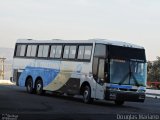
141, 91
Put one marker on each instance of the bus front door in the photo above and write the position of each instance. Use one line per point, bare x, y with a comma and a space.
98, 74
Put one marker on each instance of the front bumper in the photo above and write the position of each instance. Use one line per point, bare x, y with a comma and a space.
119, 95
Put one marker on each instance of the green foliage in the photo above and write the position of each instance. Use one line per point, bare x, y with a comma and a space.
153, 70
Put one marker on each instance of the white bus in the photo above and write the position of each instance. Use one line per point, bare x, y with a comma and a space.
96, 68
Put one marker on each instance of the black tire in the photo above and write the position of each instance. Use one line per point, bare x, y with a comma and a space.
39, 87
87, 95
29, 85
119, 102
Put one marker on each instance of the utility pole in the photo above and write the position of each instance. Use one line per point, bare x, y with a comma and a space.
2, 70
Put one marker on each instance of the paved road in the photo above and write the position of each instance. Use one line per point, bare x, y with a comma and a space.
15, 102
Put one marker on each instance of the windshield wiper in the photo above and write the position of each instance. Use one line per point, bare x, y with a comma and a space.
123, 79
131, 75
135, 80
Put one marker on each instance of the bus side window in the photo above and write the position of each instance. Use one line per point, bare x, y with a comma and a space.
20, 50
45, 50
80, 52
66, 52
72, 52
33, 51
84, 52
58, 51
53, 51
40, 51
28, 51
87, 52
23, 50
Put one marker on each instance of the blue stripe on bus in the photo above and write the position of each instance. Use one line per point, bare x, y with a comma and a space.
142, 88
120, 86
47, 74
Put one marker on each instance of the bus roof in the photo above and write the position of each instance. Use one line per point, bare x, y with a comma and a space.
102, 41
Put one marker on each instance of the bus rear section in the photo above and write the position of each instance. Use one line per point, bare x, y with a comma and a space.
59, 66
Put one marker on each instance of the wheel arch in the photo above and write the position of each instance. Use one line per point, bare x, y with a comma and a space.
29, 76
83, 86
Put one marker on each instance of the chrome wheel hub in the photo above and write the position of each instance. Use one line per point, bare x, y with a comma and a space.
85, 94
39, 87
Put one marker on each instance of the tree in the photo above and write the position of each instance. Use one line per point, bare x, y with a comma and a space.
153, 70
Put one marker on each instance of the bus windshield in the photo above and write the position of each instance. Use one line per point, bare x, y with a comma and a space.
128, 72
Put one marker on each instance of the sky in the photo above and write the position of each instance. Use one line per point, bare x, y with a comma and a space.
133, 21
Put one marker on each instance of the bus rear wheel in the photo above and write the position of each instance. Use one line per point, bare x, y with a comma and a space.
29, 85
39, 87
87, 95
117, 102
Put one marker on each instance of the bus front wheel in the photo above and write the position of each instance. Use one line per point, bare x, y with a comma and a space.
29, 85
39, 87
87, 95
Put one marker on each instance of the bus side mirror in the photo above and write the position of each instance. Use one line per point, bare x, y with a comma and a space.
95, 76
